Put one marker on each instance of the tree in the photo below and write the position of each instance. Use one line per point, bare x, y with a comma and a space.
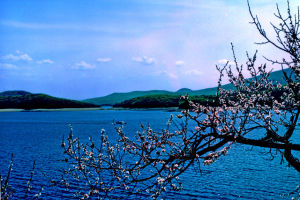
257, 112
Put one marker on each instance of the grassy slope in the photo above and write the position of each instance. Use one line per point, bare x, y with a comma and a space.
163, 101
151, 101
26, 100
116, 98
120, 97
275, 76
14, 93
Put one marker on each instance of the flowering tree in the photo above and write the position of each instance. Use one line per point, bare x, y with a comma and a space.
257, 112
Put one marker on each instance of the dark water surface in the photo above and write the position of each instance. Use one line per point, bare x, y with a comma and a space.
244, 173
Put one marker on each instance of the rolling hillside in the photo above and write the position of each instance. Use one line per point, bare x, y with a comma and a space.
116, 98
164, 101
27, 100
119, 97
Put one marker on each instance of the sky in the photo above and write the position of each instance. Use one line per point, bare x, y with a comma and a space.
81, 49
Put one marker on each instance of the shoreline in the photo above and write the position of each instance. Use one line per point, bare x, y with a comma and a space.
167, 109
47, 109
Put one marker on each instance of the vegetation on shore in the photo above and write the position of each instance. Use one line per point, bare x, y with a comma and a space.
27, 100
162, 101
119, 98
137, 99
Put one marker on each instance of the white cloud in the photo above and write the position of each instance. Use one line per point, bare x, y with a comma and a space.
224, 61
179, 63
7, 66
168, 74
19, 56
173, 76
193, 72
144, 60
45, 61
83, 66
104, 60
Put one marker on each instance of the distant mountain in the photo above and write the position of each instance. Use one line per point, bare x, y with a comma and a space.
14, 93
164, 101
274, 76
184, 91
116, 98
27, 100
119, 97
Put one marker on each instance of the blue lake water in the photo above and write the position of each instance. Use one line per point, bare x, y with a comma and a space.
245, 173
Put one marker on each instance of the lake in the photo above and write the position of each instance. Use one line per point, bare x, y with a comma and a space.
244, 173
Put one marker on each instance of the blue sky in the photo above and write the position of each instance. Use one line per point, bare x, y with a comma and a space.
82, 49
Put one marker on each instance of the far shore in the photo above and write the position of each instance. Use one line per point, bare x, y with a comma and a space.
171, 109
47, 109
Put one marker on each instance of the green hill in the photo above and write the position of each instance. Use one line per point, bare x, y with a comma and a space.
151, 101
116, 98
27, 100
163, 101
204, 97
14, 93
119, 97
274, 76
